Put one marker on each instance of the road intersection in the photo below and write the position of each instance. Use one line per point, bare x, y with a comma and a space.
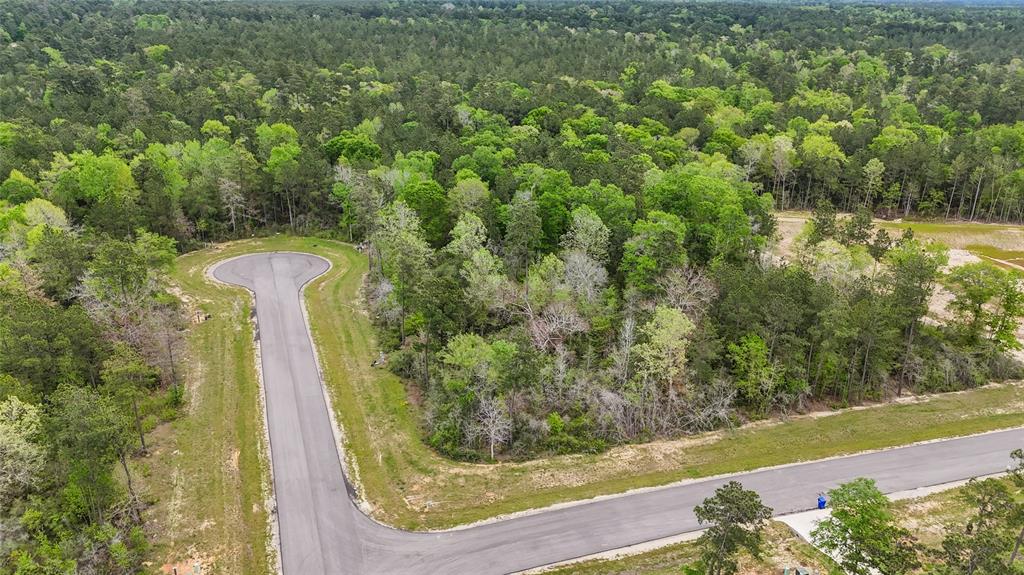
323, 531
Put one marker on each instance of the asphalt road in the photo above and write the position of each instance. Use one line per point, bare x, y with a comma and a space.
323, 532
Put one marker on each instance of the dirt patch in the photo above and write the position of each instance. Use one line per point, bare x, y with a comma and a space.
789, 226
960, 257
191, 566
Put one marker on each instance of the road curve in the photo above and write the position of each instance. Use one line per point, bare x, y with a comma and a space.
323, 532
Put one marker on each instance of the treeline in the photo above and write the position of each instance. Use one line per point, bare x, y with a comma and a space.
904, 110
566, 207
89, 342
539, 230
566, 318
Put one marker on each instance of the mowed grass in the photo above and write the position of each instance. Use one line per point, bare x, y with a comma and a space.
408, 485
207, 476
1003, 257
1002, 243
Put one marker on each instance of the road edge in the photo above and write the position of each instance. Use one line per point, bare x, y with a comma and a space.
363, 504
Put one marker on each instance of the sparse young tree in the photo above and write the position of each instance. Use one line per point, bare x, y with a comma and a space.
523, 235
126, 378
735, 520
661, 355
123, 279
973, 285
983, 545
494, 423
863, 533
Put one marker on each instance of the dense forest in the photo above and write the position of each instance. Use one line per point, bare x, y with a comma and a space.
567, 208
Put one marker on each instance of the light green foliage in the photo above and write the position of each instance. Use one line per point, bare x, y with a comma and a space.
475, 364
99, 189
758, 378
863, 532
837, 265
470, 194
157, 53
215, 129
720, 216
486, 282
8, 134
55, 55
822, 156
474, 370
18, 188
662, 353
913, 268
269, 136
468, 235
892, 139
355, 147
819, 102
283, 159
1008, 309
154, 22
22, 225
430, 203
486, 161
874, 170
22, 452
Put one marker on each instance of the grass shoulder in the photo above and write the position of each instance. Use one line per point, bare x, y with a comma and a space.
782, 549
408, 485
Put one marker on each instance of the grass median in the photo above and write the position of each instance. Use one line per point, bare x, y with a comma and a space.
410, 486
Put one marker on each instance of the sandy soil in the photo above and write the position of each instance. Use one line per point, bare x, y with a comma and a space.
1001, 236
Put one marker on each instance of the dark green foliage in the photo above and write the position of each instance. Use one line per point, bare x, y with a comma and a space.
735, 519
657, 245
46, 345
823, 222
461, 146
428, 199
